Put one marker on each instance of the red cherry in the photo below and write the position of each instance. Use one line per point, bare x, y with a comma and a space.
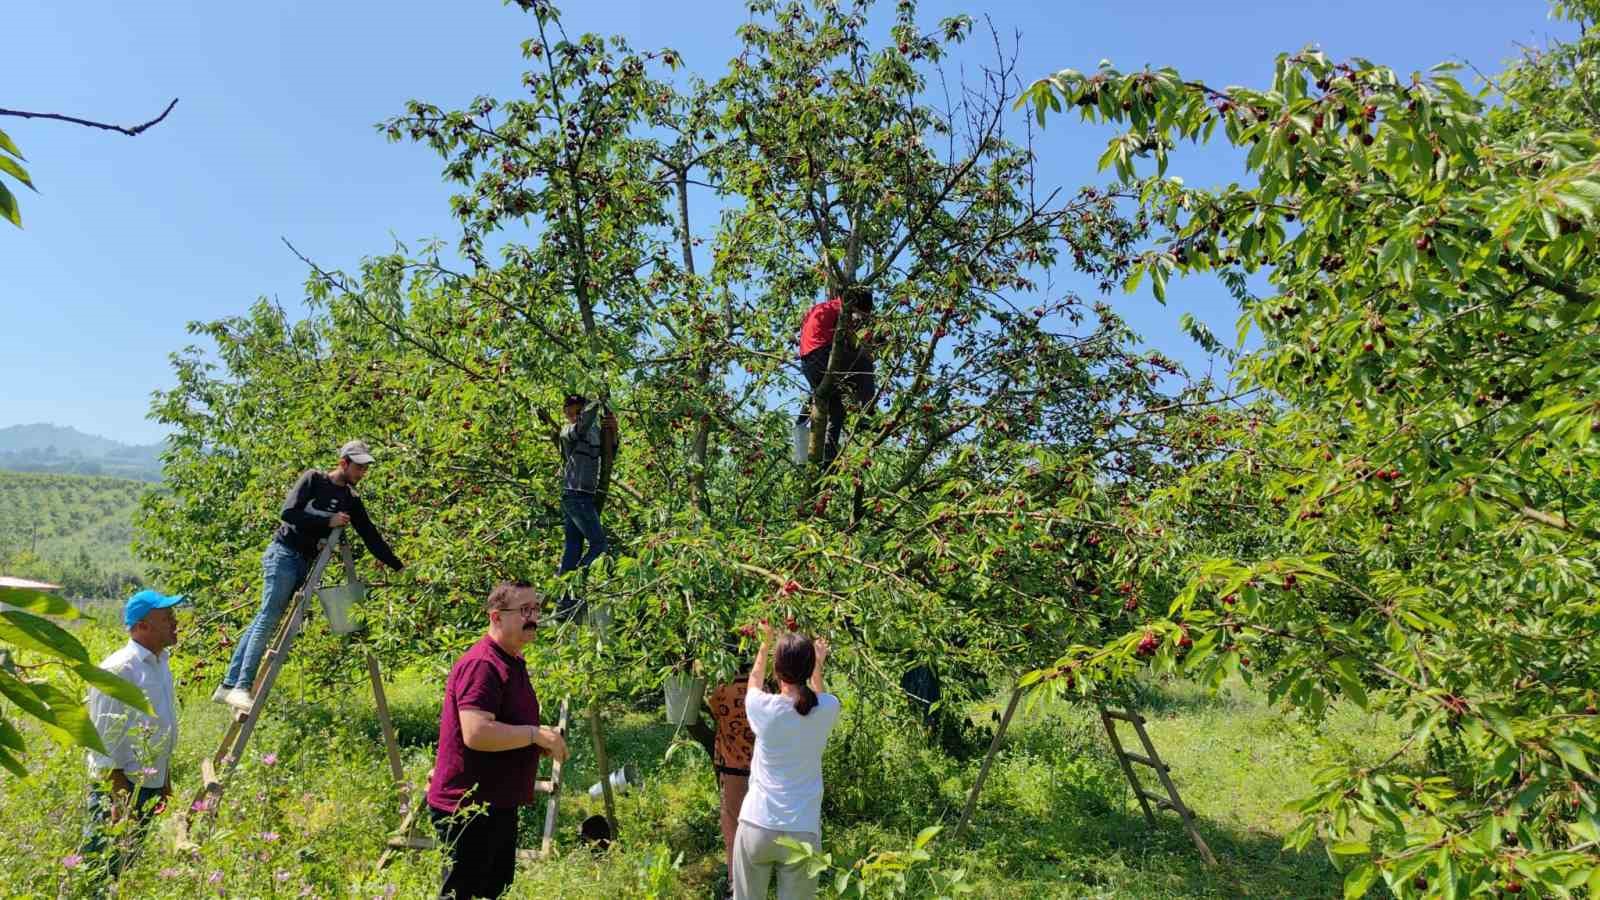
790, 587
1148, 644
790, 623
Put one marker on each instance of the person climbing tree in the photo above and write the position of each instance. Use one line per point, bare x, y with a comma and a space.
853, 367
588, 437
318, 503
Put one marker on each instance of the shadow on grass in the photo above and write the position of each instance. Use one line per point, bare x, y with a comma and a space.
1091, 843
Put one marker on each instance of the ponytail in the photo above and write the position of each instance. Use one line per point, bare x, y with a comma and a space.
793, 663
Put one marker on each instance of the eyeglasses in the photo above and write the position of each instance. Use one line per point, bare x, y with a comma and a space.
527, 612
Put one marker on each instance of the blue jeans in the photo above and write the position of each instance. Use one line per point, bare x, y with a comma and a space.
106, 855
582, 521
283, 570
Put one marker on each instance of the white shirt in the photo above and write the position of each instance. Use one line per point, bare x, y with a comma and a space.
139, 745
786, 768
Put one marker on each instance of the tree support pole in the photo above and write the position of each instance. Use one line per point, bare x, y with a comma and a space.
988, 760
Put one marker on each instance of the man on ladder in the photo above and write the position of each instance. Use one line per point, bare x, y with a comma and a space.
318, 503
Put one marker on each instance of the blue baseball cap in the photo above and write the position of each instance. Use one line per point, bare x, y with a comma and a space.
140, 604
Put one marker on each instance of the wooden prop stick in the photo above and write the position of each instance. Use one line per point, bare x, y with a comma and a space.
988, 760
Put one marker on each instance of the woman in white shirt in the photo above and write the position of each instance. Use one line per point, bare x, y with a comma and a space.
785, 798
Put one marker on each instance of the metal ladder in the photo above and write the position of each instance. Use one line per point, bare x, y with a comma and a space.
1152, 760
215, 768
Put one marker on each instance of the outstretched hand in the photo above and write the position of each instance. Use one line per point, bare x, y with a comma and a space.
821, 646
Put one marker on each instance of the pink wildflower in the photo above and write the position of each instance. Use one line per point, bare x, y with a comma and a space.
72, 862
271, 759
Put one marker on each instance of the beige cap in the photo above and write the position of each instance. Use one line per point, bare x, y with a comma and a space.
356, 452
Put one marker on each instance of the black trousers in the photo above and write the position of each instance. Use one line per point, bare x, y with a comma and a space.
857, 376
481, 851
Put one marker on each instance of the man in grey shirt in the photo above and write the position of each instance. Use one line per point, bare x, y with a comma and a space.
583, 441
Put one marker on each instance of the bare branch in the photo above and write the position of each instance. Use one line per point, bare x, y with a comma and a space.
131, 131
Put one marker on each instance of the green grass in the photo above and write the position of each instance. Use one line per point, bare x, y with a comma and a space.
1056, 820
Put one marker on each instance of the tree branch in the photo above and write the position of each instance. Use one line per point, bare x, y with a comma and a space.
131, 131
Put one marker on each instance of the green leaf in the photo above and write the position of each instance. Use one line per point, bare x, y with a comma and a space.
10, 737
114, 687
11, 763
11, 148
10, 167
34, 633
1359, 880
1572, 755
926, 835
70, 715
1350, 848
43, 603
1496, 719
8, 207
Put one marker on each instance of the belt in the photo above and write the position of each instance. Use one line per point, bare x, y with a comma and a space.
730, 770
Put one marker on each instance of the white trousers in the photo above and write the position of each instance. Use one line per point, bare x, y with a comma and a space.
756, 853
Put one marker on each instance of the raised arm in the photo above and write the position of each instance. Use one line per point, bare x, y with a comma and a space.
821, 647
758, 672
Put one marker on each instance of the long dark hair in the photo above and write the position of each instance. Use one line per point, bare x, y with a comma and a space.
795, 660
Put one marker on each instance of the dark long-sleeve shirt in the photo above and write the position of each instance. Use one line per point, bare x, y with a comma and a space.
312, 502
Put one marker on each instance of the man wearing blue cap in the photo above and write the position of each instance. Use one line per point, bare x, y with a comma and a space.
131, 777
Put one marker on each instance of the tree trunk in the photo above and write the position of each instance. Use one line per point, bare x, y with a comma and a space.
700, 448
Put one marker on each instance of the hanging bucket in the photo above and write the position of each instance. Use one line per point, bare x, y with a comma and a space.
802, 439
339, 602
684, 693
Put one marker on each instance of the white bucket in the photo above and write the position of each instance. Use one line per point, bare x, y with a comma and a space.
338, 602
684, 693
802, 439
621, 781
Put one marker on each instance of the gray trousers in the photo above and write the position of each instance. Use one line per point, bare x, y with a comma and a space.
756, 853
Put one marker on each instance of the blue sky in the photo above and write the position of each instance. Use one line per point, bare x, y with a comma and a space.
129, 239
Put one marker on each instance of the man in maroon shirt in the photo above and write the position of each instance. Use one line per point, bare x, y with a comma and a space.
816, 344
489, 744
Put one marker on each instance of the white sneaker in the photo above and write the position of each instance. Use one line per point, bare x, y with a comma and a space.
220, 695
239, 699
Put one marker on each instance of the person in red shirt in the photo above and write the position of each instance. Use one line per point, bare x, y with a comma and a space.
816, 344
489, 744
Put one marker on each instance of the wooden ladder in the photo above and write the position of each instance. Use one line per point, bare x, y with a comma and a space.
1152, 760
215, 768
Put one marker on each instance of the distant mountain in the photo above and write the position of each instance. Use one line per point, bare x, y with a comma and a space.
55, 448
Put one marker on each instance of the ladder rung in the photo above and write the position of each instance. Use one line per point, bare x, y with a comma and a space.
1146, 761
1160, 802
208, 774
412, 843
1124, 716
544, 786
